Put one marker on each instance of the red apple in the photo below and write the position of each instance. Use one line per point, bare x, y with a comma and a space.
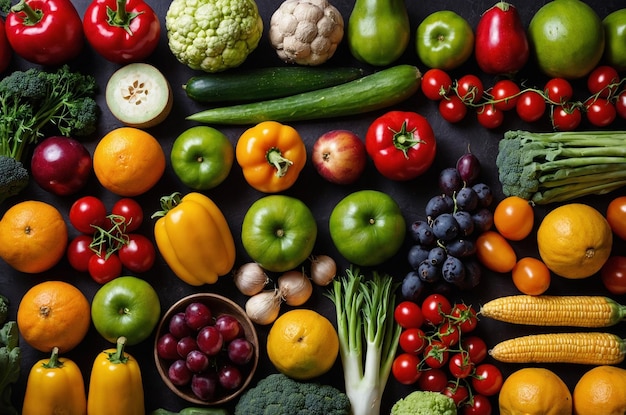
339, 156
61, 165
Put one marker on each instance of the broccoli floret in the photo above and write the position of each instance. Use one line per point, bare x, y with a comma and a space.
13, 177
278, 394
424, 403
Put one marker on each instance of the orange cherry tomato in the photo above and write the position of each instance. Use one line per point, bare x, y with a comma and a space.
514, 218
616, 216
531, 276
495, 252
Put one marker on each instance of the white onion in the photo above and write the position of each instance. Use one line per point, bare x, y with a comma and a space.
295, 287
263, 308
323, 269
250, 278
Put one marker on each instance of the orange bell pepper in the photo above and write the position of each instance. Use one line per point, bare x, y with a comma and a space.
271, 155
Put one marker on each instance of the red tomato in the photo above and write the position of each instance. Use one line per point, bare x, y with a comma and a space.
449, 333
104, 269
408, 315
558, 90
470, 88
460, 365
434, 309
616, 216
531, 276
475, 347
530, 106
412, 340
435, 84
487, 379
495, 252
566, 118
131, 211
402, 144
602, 81
489, 116
464, 316
457, 392
620, 104
452, 109
478, 405
600, 112
506, 94
405, 368
138, 254
87, 212
436, 354
79, 252
514, 218
613, 274
434, 380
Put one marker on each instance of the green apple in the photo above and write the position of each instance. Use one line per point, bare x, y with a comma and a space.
125, 306
444, 40
615, 36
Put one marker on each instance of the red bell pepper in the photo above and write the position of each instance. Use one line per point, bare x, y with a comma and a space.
122, 31
45, 32
401, 144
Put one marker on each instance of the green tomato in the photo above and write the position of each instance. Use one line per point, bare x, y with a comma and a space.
444, 40
278, 232
615, 35
202, 157
367, 227
125, 306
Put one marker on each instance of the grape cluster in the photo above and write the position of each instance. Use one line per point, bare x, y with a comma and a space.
443, 254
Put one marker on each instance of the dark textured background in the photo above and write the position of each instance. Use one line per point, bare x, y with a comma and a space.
234, 196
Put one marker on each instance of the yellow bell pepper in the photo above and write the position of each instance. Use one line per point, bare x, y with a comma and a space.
193, 237
271, 155
115, 386
55, 386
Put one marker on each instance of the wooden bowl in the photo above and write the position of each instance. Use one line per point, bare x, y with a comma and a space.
218, 305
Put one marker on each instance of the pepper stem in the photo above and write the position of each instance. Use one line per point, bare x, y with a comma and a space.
120, 17
32, 16
167, 203
54, 361
118, 355
403, 140
275, 157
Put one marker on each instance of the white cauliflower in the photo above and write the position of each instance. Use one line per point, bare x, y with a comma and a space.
213, 35
306, 32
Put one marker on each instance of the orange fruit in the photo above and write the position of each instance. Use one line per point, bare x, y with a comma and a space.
574, 240
33, 236
601, 390
128, 161
302, 344
534, 391
53, 313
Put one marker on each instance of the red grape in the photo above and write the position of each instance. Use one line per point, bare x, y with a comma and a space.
210, 340
204, 385
240, 351
178, 373
197, 315
230, 377
178, 326
197, 361
166, 347
229, 326
186, 345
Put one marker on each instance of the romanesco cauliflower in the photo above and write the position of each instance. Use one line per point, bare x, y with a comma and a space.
213, 35
424, 403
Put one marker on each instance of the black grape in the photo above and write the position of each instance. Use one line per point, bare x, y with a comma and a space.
422, 232
412, 286
466, 199
445, 227
453, 269
485, 196
464, 220
417, 253
428, 272
450, 181
439, 204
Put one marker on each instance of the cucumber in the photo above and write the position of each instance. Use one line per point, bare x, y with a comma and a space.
378, 90
265, 83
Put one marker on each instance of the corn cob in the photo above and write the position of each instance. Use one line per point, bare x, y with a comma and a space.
547, 310
582, 348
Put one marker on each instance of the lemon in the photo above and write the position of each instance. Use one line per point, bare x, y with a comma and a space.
601, 390
534, 391
302, 344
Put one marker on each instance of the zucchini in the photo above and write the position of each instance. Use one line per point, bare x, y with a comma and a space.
265, 83
378, 90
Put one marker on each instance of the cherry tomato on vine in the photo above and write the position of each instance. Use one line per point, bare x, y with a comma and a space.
530, 106
132, 212
558, 90
104, 269
600, 112
599, 81
449, 333
613, 274
460, 365
405, 368
514, 218
79, 252
531, 276
616, 216
452, 109
495, 252
489, 116
434, 309
506, 93
435, 84
487, 379
470, 88
620, 104
436, 354
412, 340
465, 317
86, 212
138, 254
408, 315
566, 118
475, 347
457, 392
434, 380
478, 405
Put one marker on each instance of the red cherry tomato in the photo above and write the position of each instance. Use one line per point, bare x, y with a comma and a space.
475, 347
620, 104
613, 274
79, 252
452, 109
434, 309
478, 405
408, 315
495, 252
435, 84
449, 333
530, 106
489, 116
412, 340
487, 379
602, 81
434, 380
566, 118
87, 212
405, 368
460, 365
436, 354
616, 216
470, 88
132, 212
506, 93
558, 90
138, 254
465, 317
514, 218
104, 269
531, 276
600, 112
457, 392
